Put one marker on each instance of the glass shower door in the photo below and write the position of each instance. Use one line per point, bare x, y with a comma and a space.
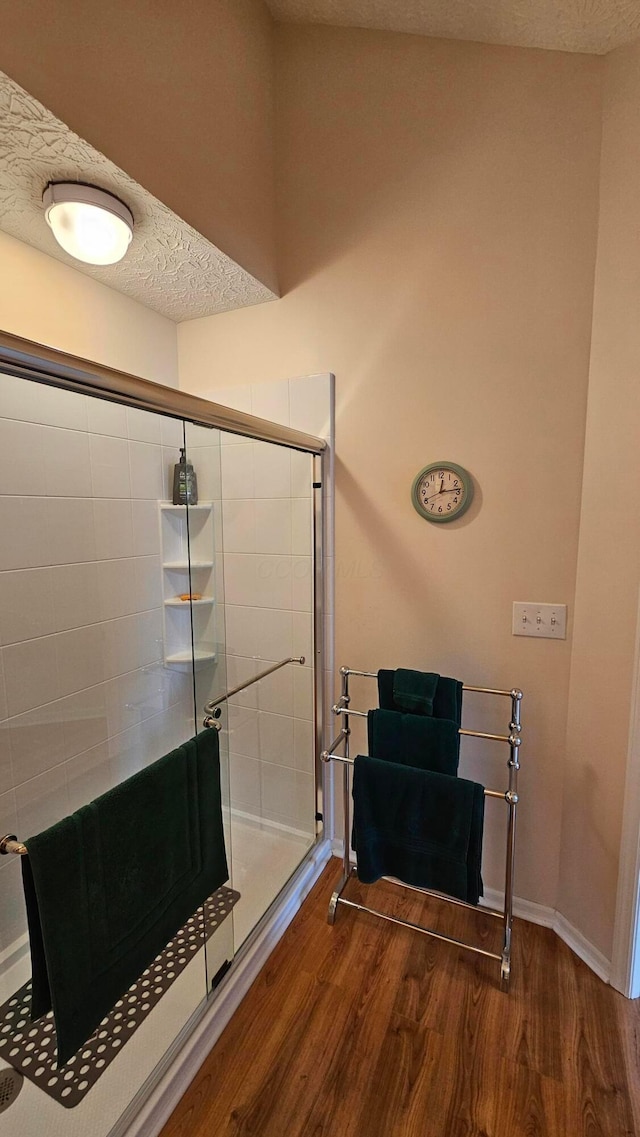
97, 681
264, 576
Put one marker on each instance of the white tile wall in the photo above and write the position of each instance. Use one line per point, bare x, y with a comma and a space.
85, 699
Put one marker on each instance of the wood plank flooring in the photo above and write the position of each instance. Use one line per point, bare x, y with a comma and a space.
365, 1029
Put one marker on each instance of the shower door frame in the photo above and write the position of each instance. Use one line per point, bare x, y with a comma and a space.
37, 362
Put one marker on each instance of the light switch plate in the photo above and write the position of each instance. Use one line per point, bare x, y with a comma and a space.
546, 621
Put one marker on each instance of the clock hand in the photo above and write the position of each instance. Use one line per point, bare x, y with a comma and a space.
441, 486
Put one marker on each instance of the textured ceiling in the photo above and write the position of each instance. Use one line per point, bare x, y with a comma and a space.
593, 26
169, 266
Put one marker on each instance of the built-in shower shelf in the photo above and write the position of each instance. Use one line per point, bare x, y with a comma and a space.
188, 552
185, 659
187, 604
204, 507
184, 565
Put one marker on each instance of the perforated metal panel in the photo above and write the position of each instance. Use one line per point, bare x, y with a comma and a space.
31, 1047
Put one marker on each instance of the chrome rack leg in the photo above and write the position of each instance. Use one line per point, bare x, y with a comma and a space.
346, 815
512, 800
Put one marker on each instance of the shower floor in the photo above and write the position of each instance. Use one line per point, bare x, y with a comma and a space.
263, 858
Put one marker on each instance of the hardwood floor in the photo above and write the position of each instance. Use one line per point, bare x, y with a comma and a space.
369, 1030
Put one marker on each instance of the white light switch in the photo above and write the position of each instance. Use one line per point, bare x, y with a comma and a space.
546, 621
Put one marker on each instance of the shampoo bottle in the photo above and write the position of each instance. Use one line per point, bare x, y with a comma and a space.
185, 483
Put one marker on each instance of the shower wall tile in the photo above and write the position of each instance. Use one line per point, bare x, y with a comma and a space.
243, 731
171, 432
3, 693
80, 658
301, 527
237, 471
31, 674
206, 464
110, 475
303, 635
26, 605
303, 746
42, 801
66, 463
106, 418
143, 426
38, 741
146, 540
75, 595
301, 474
302, 584
89, 775
273, 633
275, 693
273, 582
56, 407
272, 470
8, 824
302, 692
22, 458
25, 518
240, 622
84, 720
146, 471
239, 670
14, 920
239, 525
113, 529
20, 399
116, 591
276, 738
70, 531
273, 525
147, 591
245, 783
6, 771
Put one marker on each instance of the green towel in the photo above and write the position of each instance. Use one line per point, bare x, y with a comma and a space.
423, 828
107, 887
447, 700
414, 740
414, 691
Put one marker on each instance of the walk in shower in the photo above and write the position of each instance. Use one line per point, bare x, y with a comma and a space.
126, 622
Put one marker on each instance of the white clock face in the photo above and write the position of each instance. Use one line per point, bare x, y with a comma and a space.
441, 493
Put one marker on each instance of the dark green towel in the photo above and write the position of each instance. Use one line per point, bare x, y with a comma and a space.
414, 691
447, 701
414, 740
423, 828
107, 887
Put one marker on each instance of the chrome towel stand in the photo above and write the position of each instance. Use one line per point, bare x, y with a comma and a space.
510, 796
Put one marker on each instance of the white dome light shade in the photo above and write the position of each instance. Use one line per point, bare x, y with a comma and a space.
88, 223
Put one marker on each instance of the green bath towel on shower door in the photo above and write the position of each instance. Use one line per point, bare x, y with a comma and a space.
107, 887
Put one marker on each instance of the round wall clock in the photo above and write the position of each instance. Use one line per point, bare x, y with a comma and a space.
442, 491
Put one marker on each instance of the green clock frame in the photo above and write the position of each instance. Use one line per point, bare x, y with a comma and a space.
466, 482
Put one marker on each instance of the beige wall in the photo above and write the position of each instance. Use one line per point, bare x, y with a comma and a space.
438, 213
46, 301
177, 94
609, 560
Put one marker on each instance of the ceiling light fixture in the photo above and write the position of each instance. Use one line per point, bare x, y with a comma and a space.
88, 223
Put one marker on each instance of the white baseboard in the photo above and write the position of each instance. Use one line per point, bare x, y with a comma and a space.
536, 914
583, 948
159, 1105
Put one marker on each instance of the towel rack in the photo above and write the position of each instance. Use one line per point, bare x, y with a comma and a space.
10, 844
210, 708
510, 796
